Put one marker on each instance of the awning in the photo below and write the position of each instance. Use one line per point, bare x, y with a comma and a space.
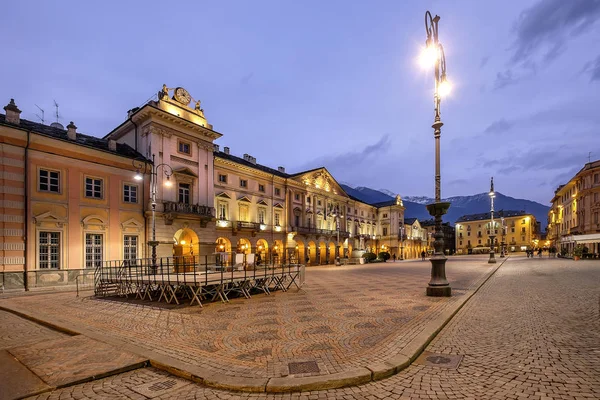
591, 238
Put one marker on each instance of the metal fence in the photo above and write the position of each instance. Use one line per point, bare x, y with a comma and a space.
194, 278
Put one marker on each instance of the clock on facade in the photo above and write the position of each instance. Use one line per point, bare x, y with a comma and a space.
182, 96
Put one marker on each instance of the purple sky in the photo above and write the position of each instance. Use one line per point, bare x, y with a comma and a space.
332, 83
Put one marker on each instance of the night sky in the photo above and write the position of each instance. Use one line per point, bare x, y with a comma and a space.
304, 84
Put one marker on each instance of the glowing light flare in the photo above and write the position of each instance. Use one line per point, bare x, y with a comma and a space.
445, 88
428, 57
168, 182
138, 176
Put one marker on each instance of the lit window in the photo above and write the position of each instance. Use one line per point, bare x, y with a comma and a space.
385, 231
130, 193
49, 181
277, 217
49, 245
261, 215
93, 188
223, 211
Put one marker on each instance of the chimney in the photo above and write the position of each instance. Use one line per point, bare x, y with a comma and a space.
215, 147
72, 131
13, 114
281, 169
246, 156
252, 159
226, 150
112, 145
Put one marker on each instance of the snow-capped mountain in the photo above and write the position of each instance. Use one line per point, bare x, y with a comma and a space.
461, 205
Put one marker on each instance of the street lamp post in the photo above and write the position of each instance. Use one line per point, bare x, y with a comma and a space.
503, 227
168, 171
492, 259
434, 54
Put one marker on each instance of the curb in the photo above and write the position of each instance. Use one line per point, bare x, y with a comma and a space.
356, 376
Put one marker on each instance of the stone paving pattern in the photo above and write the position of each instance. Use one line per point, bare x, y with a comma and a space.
16, 331
531, 332
344, 317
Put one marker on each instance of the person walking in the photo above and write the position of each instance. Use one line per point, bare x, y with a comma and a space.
423, 255
394, 257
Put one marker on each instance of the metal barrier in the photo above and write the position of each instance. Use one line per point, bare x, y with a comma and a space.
196, 278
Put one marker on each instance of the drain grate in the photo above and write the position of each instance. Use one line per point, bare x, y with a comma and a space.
439, 360
164, 385
306, 367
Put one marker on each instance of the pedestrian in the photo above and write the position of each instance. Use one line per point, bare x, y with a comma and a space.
540, 252
423, 255
394, 257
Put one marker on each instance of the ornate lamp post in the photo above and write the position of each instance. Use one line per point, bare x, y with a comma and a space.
434, 54
492, 259
402, 242
335, 213
168, 171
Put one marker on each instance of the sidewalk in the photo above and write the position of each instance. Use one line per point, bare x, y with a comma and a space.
348, 325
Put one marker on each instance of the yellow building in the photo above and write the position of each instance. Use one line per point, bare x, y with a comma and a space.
72, 201
574, 216
518, 229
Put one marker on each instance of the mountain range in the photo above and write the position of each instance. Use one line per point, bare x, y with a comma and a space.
460, 205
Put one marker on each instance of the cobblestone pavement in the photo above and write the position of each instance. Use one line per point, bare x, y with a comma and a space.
16, 331
531, 332
343, 318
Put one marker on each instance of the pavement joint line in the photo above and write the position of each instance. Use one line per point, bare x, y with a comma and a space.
353, 377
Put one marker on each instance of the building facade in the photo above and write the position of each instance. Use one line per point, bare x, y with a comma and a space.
448, 232
574, 216
71, 201
517, 229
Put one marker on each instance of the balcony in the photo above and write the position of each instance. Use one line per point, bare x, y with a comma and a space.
172, 209
245, 225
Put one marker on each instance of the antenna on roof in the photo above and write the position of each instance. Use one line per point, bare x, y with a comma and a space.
590, 157
56, 106
42, 111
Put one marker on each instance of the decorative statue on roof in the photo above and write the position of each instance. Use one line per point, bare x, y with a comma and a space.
198, 109
164, 93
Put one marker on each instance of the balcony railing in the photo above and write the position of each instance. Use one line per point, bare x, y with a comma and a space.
248, 225
184, 208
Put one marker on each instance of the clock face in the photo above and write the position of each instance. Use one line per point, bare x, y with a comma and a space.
182, 96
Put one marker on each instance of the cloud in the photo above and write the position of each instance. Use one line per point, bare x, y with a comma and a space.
484, 61
499, 126
352, 159
504, 79
593, 68
459, 182
551, 24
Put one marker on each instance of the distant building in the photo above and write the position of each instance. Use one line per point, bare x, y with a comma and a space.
574, 216
473, 231
447, 230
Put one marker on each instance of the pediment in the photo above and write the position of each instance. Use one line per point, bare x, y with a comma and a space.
94, 221
277, 205
223, 195
320, 179
185, 171
49, 217
244, 199
262, 202
132, 223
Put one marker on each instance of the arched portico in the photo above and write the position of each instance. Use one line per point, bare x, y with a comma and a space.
312, 253
185, 243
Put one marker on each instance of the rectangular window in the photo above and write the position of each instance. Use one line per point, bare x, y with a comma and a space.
243, 212
523, 230
130, 247
385, 231
184, 147
596, 217
93, 188
222, 178
261, 187
93, 250
277, 192
308, 200
596, 178
296, 220
479, 241
319, 202
223, 211
460, 243
297, 196
468, 233
49, 245
243, 183
261, 215
277, 217
49, 181
184, 193
385, 216
130, 193
512, 230
596, 197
